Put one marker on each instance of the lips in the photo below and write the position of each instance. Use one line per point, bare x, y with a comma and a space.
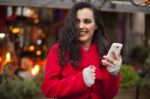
83, 32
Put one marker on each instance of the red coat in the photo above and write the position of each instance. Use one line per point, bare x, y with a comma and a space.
71, 85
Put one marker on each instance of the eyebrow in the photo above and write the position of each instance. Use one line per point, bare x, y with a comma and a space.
84, 19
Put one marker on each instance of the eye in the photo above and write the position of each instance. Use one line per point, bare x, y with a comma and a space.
87, 21
77, 21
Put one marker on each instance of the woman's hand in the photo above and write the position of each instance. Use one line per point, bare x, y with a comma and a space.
89, 75
113, 64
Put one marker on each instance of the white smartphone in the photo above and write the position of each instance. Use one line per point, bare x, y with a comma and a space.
116, 48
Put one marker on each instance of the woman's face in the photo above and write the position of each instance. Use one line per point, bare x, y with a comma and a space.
86, 24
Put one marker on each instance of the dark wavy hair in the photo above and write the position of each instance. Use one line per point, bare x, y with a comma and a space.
68, 36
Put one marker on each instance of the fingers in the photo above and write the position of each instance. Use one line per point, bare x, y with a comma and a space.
92, 70
108, 59
89, 75
116, 57
111, 61
93, 75
107, 63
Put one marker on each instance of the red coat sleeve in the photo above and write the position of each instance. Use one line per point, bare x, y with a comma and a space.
53, 86
111, 84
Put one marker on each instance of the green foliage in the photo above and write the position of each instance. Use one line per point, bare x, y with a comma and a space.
7, 89
129, 77
14, 87
18, 88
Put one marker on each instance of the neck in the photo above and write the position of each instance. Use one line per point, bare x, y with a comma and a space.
86, 45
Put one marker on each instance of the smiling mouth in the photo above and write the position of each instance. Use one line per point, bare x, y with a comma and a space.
83, 32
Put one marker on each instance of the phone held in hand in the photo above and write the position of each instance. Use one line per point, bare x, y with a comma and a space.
116, 48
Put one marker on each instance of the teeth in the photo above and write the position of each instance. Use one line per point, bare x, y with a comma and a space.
82, 32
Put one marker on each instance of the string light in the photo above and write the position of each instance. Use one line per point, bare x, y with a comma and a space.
31, 47
2, 35
15, 30
38, 52
35, 70
8, 57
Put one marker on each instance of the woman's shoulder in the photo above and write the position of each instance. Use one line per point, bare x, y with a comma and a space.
54, 46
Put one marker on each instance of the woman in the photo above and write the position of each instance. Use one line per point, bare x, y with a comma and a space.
77, 65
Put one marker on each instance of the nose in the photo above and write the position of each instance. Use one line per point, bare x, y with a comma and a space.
81, 25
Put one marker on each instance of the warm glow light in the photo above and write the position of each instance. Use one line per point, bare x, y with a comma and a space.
8, 57
15, 30
35, 70
31, 48
2, 35
0, 59
38, 52
28, 12
147, 1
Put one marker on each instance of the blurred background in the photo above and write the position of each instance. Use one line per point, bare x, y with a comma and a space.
28, 28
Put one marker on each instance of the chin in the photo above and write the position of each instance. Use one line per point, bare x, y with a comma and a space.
83, 39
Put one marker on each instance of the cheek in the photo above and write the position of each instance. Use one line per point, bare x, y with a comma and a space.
92, 28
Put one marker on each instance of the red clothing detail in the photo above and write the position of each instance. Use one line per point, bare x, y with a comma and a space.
68, 83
